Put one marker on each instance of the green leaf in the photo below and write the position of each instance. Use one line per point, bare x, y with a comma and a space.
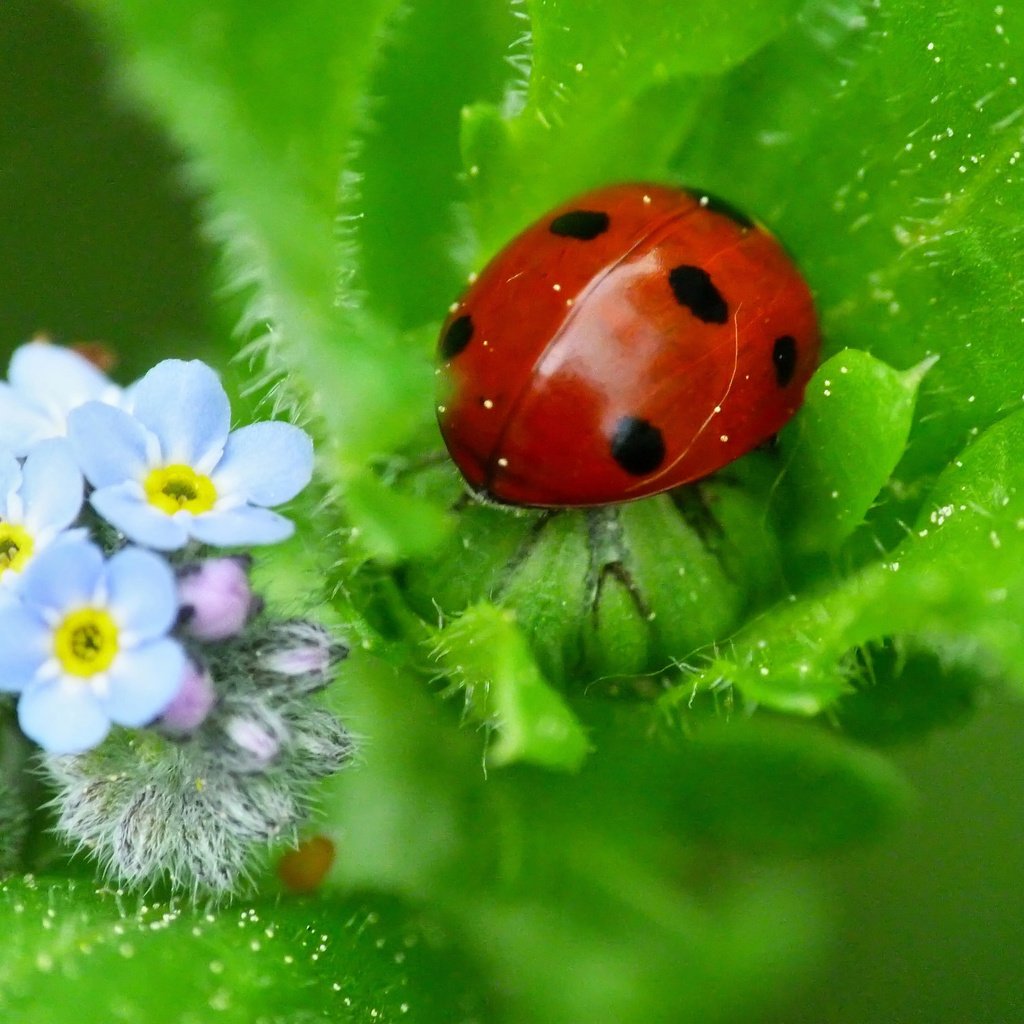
903, 692
882, 142
842, 447
391, 525
264, 100
548, 876
404, 211
773, 788
955, 585
600, 72
485, 651
89, 956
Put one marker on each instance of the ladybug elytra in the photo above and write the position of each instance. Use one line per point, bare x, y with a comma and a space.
634, 339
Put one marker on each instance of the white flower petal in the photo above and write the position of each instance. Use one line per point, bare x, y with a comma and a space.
25, 644
66, 575
52, 487
240, 526
185, 406
10, 481
23, 425
55, 378
125, 507
142, 593
144, 680
63, 716
266, 463
109, 444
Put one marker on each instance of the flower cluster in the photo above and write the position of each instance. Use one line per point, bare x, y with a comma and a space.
117, 610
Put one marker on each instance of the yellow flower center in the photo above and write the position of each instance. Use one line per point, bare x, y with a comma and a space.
86, 642
178, 487
15, 547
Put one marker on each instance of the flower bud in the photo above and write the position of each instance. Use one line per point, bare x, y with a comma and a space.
216, 599
193, 702
258, 737
303, 651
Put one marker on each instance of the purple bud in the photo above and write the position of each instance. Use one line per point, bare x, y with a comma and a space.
303, 651
216, 599
255, 738
193, 703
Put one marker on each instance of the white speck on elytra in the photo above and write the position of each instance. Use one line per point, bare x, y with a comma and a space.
503, 462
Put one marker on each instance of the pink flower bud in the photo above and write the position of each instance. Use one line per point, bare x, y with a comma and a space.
257, 739
302, 651
192, 704
216, 599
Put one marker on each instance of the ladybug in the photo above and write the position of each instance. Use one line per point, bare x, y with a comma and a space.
632, 340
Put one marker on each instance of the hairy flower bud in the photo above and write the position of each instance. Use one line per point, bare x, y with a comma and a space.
193, 703
304, 652
257, 735
216, 599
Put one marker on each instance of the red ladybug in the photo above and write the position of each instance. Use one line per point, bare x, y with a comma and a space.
632, 340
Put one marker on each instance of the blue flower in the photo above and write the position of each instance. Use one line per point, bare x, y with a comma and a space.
38, 502
45, 383
86, 645
173, 469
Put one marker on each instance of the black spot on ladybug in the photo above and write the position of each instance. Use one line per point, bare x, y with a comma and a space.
456, 338
717, 205
784, 359
582, 224
637, 446
694, 289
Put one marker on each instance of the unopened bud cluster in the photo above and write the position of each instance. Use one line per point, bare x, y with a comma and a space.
176, 714
228, 766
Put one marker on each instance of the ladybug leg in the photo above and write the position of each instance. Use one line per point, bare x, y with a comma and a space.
608, 559
696, 505
529, 542
466, 498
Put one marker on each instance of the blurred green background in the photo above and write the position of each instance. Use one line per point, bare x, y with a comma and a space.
99, 242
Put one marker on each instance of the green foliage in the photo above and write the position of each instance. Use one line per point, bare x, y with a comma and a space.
75, 953
884, 148
656, 881
842, 448
485, 652
646, 859
609, 97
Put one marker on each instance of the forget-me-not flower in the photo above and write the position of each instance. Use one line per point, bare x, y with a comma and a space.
44, 383
39, 500
86, 644
173, 469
